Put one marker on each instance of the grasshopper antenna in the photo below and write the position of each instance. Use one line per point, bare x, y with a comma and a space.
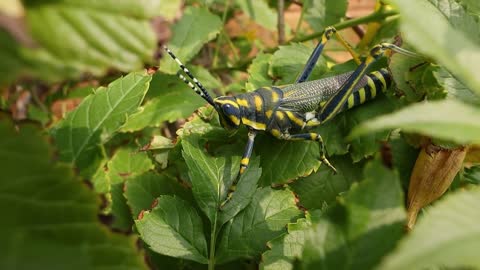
201, 89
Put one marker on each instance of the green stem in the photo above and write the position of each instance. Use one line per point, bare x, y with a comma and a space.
376, 16
213, 242
217, 47
300, 20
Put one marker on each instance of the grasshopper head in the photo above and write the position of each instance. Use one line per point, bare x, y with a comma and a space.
228, 111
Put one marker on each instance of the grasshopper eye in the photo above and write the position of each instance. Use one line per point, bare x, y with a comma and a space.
229, 109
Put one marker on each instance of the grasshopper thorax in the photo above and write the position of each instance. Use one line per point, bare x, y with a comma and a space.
228, 111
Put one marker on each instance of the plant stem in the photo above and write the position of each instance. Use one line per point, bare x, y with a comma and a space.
281, 22
300, 20
375, 16
213, 240
217, 47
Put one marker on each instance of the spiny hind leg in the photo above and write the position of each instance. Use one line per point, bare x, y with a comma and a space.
311, 137
312, 60
337, 101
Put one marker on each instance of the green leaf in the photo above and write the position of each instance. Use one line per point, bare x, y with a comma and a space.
323, 13
195, 28
447, 119
122, 216
454, 88
404, 157
95, 37
472, 175
408, 74
210, 176
52, 216
174, 228
258, 72
244, 192
288, 62
171, 100
362, 228
10, 55
142, 191
334, 132
450, 47
472, 5
323, 187
259, 12
127, 163
264, 219
297, 159
459, 18
286, 248
97, 118
448, 235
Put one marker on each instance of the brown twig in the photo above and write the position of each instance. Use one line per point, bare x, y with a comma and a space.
281, 21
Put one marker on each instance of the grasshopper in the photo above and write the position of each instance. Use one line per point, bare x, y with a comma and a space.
286, 111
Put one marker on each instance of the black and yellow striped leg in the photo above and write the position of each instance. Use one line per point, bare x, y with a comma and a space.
248, 152
336, 103
312, 60
313, 137
243, 164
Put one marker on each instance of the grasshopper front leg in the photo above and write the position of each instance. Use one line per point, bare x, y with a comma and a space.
243, 164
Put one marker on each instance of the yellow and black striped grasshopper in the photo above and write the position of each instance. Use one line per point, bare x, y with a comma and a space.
284, 111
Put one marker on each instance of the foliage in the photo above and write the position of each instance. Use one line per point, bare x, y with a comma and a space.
113, 154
